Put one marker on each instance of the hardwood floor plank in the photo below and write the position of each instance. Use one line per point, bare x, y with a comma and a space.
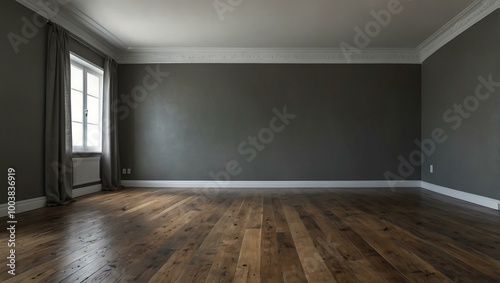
136, 250
313, 264
453, 268
289, 261
214, 237
473, 234
409, 221
413, 267
248, 266
341, 257
270, 269
173, 267
225, 262
257, 235
384, 268
207, 251
348, 246
200, 265
255, 220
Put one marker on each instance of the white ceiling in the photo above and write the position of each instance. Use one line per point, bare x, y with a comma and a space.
278, 23
168, 30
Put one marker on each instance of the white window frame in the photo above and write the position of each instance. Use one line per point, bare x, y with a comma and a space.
90, 68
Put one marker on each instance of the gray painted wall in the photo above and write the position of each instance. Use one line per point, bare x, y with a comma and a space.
353, 121
22, 83
469, 160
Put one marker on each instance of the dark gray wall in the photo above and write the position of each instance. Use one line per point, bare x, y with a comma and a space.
22, 83
353, 121
470, 158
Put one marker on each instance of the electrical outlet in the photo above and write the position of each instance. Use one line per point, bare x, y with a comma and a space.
129, 171
124, 171
431, 168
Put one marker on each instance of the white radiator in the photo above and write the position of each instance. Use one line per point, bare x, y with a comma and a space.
86, 170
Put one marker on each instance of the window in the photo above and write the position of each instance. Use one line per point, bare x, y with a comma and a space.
86, 105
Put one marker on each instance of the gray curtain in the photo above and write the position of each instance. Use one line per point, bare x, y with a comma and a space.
110, 158
58, 142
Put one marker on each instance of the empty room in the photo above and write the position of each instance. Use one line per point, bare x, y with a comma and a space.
250, 141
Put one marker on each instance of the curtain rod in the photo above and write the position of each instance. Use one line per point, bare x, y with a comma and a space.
84, 43
92, 48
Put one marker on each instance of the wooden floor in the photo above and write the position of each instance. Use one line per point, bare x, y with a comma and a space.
246, 235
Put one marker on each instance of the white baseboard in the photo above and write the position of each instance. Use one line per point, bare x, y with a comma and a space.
36, 203
87, 190
24, 205
269, 184
477, 199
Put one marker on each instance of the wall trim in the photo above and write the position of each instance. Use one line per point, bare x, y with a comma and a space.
40, 202
473, 198
268, 184
463, 21
271, 55
87, 190
24, 205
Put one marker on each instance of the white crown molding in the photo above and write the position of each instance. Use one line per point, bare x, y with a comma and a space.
271, 55
268, 184
81, 26
89, 31
467, 18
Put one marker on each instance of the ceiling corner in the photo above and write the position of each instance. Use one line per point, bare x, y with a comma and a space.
79, 25
466, 19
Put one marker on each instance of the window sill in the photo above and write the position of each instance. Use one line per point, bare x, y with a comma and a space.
86, 154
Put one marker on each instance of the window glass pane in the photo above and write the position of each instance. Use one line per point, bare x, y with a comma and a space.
93, 110
76, 106
93, 135
86, 95
77, 130
76, 78
92, 85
